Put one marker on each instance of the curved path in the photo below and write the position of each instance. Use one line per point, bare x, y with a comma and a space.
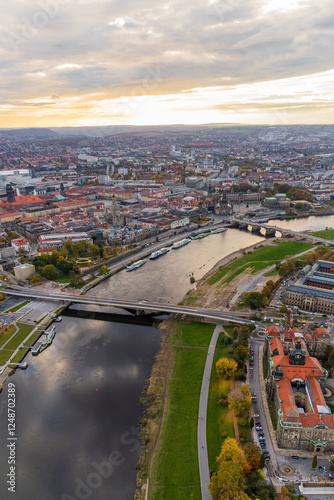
202, 412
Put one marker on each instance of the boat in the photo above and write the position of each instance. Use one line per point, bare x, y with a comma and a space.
201, 235
219, 230
135, 265
157, 253
35, 349
44, 344
181, 243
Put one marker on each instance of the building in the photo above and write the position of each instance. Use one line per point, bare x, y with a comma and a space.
57, 240
21, 244
24, 271
10, 193
279, 201
296, 382
314, 291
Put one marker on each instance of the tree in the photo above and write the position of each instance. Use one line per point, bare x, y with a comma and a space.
53, 257
35, 278
254, 300
285, 492
103, 269
76, 279
241, 352
68, 245
262, 461
1, 297
229, 450
314, 462
105, 254
228, 483
239, 401
50, 272
226, 367
283, 309
252, 455
265, 301
331, 465
94, 249
80, 247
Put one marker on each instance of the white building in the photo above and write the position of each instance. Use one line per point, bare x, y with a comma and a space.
24, 271
21, 244
57, 240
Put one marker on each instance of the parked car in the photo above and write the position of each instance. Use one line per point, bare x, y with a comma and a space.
295, 457
325, 470
256, 415
265, 452
320, 468
331, 475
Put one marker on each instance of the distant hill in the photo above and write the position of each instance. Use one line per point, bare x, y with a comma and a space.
39, 133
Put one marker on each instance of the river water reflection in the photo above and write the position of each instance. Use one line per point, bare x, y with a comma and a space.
77, 402
168, 277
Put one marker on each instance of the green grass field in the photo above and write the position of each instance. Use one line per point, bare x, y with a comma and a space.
5, 355
6, 335
18, 307
23, 332
327, 234
258, 260
22, 352
219, 418
174, 472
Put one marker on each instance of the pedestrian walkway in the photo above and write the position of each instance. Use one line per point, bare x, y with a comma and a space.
202, 412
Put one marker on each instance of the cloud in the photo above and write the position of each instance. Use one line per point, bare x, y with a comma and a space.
131, 49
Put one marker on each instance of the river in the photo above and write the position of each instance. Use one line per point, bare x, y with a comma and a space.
77, 413
77, 404
167, 279
311, 223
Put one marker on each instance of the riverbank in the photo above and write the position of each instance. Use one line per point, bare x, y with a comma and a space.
170, 431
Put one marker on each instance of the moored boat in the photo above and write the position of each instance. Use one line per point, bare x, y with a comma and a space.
181, 243
219, 230
135, 265
158, 253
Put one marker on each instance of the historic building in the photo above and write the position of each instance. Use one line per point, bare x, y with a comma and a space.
314, 291
223, 206
296, 382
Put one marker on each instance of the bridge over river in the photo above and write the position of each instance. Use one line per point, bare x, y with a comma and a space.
270, 230
136, 306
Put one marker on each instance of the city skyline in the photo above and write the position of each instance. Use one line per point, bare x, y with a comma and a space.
260, 62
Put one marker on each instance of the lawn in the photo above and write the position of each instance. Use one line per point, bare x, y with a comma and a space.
5, 355
219, 418
19, 306
23, 332
62, 278
327, 234
22, 352
258, 260
6, 335
174, 472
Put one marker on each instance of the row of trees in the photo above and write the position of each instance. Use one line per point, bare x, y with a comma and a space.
239, 475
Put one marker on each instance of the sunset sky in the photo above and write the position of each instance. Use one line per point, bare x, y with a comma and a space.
143, 62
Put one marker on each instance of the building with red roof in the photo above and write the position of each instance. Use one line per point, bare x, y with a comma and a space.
296, 384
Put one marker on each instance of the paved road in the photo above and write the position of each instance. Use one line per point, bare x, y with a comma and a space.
202, 412
258, 407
